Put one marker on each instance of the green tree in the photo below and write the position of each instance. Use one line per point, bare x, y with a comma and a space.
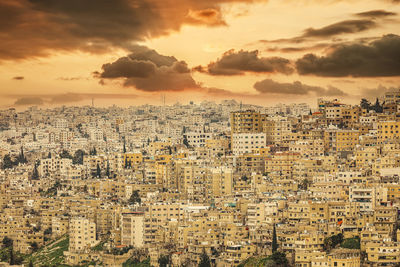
377, 107
352, 243
93, 151
304, 184
98, 171
185, 141
7, 242
34, 246
12, 257
204, 260
274, 240
108, 169
365, 104
163, 261
135, 197
333, 241
21, 157
7, 162
279, 259
35, 173
78, 157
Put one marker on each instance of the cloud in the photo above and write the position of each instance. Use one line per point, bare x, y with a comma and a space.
376, 13
237, 63
32, 28
335, 29
209, 16
297, 48
377, 92
346, 26
378, 58
78, 78
25, 101
18, 78
147, 70
269, 86
64, 98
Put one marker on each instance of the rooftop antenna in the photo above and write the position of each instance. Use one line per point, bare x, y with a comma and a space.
241, 104
92, 102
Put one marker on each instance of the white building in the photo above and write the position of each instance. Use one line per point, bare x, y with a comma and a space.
198, 139
243, 143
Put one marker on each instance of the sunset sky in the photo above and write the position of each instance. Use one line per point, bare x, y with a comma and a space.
132, 52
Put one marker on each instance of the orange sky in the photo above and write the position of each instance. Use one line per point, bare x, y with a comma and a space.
54, 52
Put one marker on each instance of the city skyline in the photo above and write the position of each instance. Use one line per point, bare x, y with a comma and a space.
258, 52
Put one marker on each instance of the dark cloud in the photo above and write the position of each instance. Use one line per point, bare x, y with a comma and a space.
376, 13
30, 28
269, 86
294, 49
25, 101
346, 26
332, 30
237, 63
147, 70
379, 58
18, 78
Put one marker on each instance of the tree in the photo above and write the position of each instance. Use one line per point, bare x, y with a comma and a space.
304, 184
7, 162
185, 141
365, 104
351, 243
279, 259
7, 242
204, 260
34, 246
163, 261
30, 263
35, 173
377, 107
98, 171
65, 154
274, 240
78, 157
21, 157
333, 241
135, 197
12, 257
48, 231
126, 163
93, 151
108, 169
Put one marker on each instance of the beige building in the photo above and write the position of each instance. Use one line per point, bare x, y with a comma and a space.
82, 234
132, 229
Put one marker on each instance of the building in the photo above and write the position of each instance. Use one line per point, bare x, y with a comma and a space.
132, 229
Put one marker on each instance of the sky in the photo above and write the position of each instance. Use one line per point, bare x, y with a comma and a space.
133, 52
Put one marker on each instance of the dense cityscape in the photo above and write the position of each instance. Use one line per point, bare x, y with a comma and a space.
202, 184
199, 133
